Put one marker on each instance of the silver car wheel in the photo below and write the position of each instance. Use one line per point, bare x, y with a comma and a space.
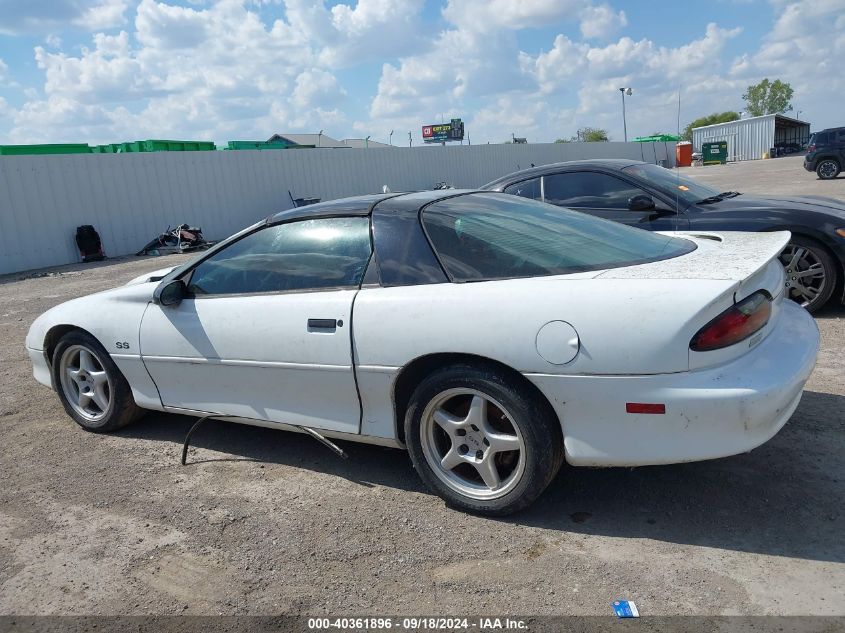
85, 383
828, 169
805, 276
472, 444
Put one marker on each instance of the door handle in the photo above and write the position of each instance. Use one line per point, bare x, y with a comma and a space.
329, 325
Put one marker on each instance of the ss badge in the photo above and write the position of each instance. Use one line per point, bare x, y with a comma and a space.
122, 345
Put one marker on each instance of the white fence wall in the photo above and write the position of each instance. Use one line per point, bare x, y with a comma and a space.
131, 198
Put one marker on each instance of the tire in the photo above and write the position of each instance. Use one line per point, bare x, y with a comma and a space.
800, 258
81, 366
502, 428
828, 169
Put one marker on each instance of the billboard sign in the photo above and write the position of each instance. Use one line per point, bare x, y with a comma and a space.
442, 132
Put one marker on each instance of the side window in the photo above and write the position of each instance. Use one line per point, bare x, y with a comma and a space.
303, 255
822, 139
525, 189
588, 190
840, 136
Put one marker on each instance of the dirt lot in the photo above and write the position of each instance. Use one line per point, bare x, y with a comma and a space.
266, 522
781, 176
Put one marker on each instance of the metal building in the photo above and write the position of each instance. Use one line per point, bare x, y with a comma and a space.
753, 137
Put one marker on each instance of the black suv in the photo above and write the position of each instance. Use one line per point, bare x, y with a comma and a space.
826, 153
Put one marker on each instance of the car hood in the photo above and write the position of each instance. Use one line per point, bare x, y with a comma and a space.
817, 204
156, 275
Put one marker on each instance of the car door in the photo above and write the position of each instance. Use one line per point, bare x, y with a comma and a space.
606, 196
264, 331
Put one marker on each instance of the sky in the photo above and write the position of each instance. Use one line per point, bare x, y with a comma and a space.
98, 71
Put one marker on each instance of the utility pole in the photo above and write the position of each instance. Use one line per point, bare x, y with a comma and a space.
410, 140
391, 138
625, 91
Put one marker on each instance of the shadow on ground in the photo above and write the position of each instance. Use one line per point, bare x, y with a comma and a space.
782, 499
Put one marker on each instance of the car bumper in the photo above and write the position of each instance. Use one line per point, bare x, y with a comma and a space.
710, 413
808, 164
40, 366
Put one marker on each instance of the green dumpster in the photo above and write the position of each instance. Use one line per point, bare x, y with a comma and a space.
54, 148
157, 145
238, 145
714, 153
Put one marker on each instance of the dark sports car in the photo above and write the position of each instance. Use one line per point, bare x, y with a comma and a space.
658, 199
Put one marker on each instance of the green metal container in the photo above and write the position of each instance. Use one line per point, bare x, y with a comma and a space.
177, 146
157, 145
238, 145
56, 148
714, 153
660, 138
106, 148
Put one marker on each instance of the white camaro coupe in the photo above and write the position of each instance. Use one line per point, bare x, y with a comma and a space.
493, 336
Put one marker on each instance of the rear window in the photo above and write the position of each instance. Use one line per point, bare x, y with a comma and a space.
485, 236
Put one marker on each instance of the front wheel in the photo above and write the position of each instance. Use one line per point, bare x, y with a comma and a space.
482, 441
827, 169
91, 388
810, 272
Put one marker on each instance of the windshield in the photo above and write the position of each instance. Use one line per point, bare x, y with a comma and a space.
671, 183
485, 236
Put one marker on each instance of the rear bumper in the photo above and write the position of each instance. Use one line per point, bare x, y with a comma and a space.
809, 164
710, 413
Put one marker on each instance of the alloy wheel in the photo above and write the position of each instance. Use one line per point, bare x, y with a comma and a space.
472, 444
805, 275
85, 382
828, 169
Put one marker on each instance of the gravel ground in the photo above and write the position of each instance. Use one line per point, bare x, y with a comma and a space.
267, 522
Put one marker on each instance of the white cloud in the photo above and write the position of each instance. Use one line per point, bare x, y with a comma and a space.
485, 16
316, 88
43, 17
103, 14
368, 31
600, 22
186, 71
224, 69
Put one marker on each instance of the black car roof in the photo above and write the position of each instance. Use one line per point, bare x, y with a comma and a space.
361, 205
542, 170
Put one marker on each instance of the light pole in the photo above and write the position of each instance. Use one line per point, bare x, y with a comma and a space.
367, 143
410, 140
625, 91
391, 138
319, 136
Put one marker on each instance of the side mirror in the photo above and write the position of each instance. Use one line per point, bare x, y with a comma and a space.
170, 293
640, 202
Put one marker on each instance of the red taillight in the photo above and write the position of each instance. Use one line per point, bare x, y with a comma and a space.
811, 149
734, 324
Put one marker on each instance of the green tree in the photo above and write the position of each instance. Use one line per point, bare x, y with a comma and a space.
768, 98
590, 135
563, 140
710, 119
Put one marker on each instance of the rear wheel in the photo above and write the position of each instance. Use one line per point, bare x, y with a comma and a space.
810, 272
480, 441
827, 169
90, 386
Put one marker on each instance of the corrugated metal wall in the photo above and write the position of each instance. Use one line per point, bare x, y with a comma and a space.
131, 198
747, 139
